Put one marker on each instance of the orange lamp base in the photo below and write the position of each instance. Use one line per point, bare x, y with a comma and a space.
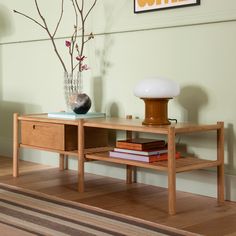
156, 111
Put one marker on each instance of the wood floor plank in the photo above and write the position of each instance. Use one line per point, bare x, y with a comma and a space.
195, 213
209, 226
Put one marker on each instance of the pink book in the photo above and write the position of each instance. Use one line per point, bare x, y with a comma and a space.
142, 158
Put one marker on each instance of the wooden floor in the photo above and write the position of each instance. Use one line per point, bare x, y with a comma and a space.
196, 213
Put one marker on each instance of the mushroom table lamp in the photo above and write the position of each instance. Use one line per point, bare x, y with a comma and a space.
156, 93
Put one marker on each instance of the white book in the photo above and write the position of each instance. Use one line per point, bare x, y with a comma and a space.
72, 115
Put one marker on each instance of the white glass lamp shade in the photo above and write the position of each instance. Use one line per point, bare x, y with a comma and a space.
156, 93
156, 87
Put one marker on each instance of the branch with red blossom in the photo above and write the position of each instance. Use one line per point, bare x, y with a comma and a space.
76, 61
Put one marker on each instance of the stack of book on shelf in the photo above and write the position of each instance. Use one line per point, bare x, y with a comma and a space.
141, 149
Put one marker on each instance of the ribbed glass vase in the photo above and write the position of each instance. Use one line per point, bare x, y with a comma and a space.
76, 100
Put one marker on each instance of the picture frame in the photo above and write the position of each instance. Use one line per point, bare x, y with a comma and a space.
155, 5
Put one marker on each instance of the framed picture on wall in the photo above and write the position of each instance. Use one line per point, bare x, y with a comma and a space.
154, 5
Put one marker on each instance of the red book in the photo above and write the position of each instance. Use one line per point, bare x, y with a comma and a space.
142, 158
140, 144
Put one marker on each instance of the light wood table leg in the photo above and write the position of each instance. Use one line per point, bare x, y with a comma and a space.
129, 172
171, 171
134, 174
81, 156
129, 169
62, 162
220, 168
15, 146
66, 162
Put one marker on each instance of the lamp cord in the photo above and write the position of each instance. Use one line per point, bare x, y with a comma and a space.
175, 120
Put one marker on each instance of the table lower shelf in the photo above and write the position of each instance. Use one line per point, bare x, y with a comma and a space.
69, 153
182, 164
102, 154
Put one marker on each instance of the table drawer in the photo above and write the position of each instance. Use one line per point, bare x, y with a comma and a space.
49, 135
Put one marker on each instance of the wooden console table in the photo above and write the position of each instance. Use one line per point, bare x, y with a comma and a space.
87, 139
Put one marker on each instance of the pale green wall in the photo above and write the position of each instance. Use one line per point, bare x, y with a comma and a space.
194, 46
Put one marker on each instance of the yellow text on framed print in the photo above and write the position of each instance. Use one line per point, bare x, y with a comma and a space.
152, 5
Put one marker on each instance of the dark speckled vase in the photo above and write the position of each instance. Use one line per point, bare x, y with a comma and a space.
80, 103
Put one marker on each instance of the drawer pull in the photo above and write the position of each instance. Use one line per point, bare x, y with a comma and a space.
42, 126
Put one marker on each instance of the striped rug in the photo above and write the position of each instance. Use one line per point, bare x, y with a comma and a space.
24, 212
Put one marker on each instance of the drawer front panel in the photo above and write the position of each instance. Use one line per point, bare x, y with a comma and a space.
45, 135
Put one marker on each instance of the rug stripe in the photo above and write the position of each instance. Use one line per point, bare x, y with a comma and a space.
70, 211
58, 221
50, 216
29, 226
84, 216
129, 229
42, 222
82, 208
26, 231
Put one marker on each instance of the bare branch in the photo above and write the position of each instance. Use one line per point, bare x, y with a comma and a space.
95, 1
79, 12
76, 66
90, 36
30, 18
51, 36
75, 34
77, 5
82, 27
76, 17
59, 21
82, 8
45, 27
73, 41
41, 16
